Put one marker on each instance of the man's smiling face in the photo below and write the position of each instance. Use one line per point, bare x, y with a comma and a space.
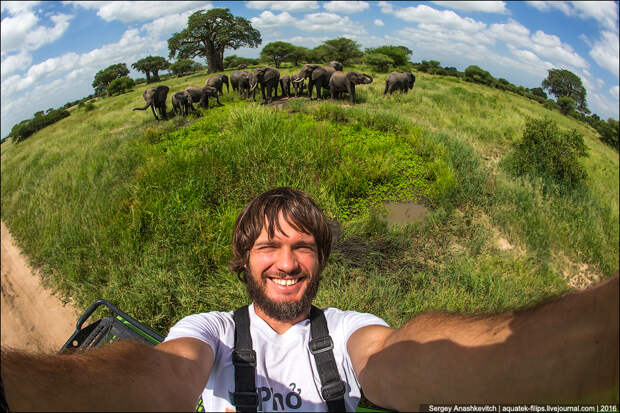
283, 272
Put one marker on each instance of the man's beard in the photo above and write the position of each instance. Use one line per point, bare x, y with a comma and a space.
282, 311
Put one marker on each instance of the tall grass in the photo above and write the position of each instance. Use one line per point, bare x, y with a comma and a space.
111, 203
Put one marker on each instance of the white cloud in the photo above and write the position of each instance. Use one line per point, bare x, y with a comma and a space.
615, 92
15, 30
330, 22
128, 11
605, 12
445, 18
605, 52
307, 41
268, 20
379, 23
512, 33
563, 6
346, 7
551, 47
481, 6
15, 62
16, 7
290, 6
169, 24
386, 7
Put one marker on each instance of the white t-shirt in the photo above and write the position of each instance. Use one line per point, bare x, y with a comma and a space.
286, 374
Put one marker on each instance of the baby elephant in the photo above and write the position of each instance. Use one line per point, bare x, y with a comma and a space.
345, 82
181, 102
285, 85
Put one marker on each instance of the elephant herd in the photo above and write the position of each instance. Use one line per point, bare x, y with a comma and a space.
330, 78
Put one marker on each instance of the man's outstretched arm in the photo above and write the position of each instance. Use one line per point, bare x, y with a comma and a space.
123, 376
562, 351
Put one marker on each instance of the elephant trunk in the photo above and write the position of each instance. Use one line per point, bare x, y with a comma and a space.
369, 77
253, 87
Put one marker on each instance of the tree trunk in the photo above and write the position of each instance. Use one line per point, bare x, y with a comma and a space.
156, 76
148, 77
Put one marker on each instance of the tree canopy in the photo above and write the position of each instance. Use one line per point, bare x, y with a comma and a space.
379, 61
151, 64
398, 54
209, 33
343, 50
564, 83
277, 52
182, 66
107, 75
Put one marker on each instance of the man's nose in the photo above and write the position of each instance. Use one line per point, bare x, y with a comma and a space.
287, 261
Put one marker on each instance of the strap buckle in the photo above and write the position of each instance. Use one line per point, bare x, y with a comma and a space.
245, 399
244, 357
333, 390
321, 344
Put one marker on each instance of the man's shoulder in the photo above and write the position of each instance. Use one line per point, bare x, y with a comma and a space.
350, 318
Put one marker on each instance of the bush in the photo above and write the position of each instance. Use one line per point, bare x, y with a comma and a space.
548, 152
475, 74
120, 85
567, 105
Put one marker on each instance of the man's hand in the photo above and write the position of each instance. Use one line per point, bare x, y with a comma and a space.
562, 351
123, 376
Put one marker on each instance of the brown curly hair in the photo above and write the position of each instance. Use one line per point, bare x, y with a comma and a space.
299, 211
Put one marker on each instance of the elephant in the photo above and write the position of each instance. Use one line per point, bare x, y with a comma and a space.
218, 82
242, 66
240, 81
336, 65
299, 84
318, 76
402, 81
268, 78
345, 82
155, 98
182, 102
285, 85
202, 95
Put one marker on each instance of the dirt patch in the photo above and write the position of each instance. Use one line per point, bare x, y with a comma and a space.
33, 318
403, 213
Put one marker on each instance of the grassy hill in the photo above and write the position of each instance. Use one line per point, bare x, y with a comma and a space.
111, 203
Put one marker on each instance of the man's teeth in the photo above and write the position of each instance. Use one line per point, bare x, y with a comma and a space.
284, 282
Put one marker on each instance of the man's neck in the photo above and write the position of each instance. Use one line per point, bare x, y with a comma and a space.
280, 326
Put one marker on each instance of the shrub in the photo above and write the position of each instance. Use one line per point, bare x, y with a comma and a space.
475, 74
548, 152
566, 104
120, 85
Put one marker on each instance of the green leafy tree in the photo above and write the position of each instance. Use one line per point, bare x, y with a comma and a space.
320, 54
430, 66
564, 83
398, 54
151, 65
298, 54
566, 104
120, 85
107, 75
276, 52
538, 91
477, 75
379, 61
343, 50
609, 132
183, 66
234, 61
209, 33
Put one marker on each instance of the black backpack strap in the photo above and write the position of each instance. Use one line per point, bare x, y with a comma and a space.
321, 347
245, 398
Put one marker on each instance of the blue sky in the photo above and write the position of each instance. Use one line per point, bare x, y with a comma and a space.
52, 50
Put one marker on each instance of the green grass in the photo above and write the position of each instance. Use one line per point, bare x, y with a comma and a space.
111, 203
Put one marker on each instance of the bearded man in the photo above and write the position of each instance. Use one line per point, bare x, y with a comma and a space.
282, 354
